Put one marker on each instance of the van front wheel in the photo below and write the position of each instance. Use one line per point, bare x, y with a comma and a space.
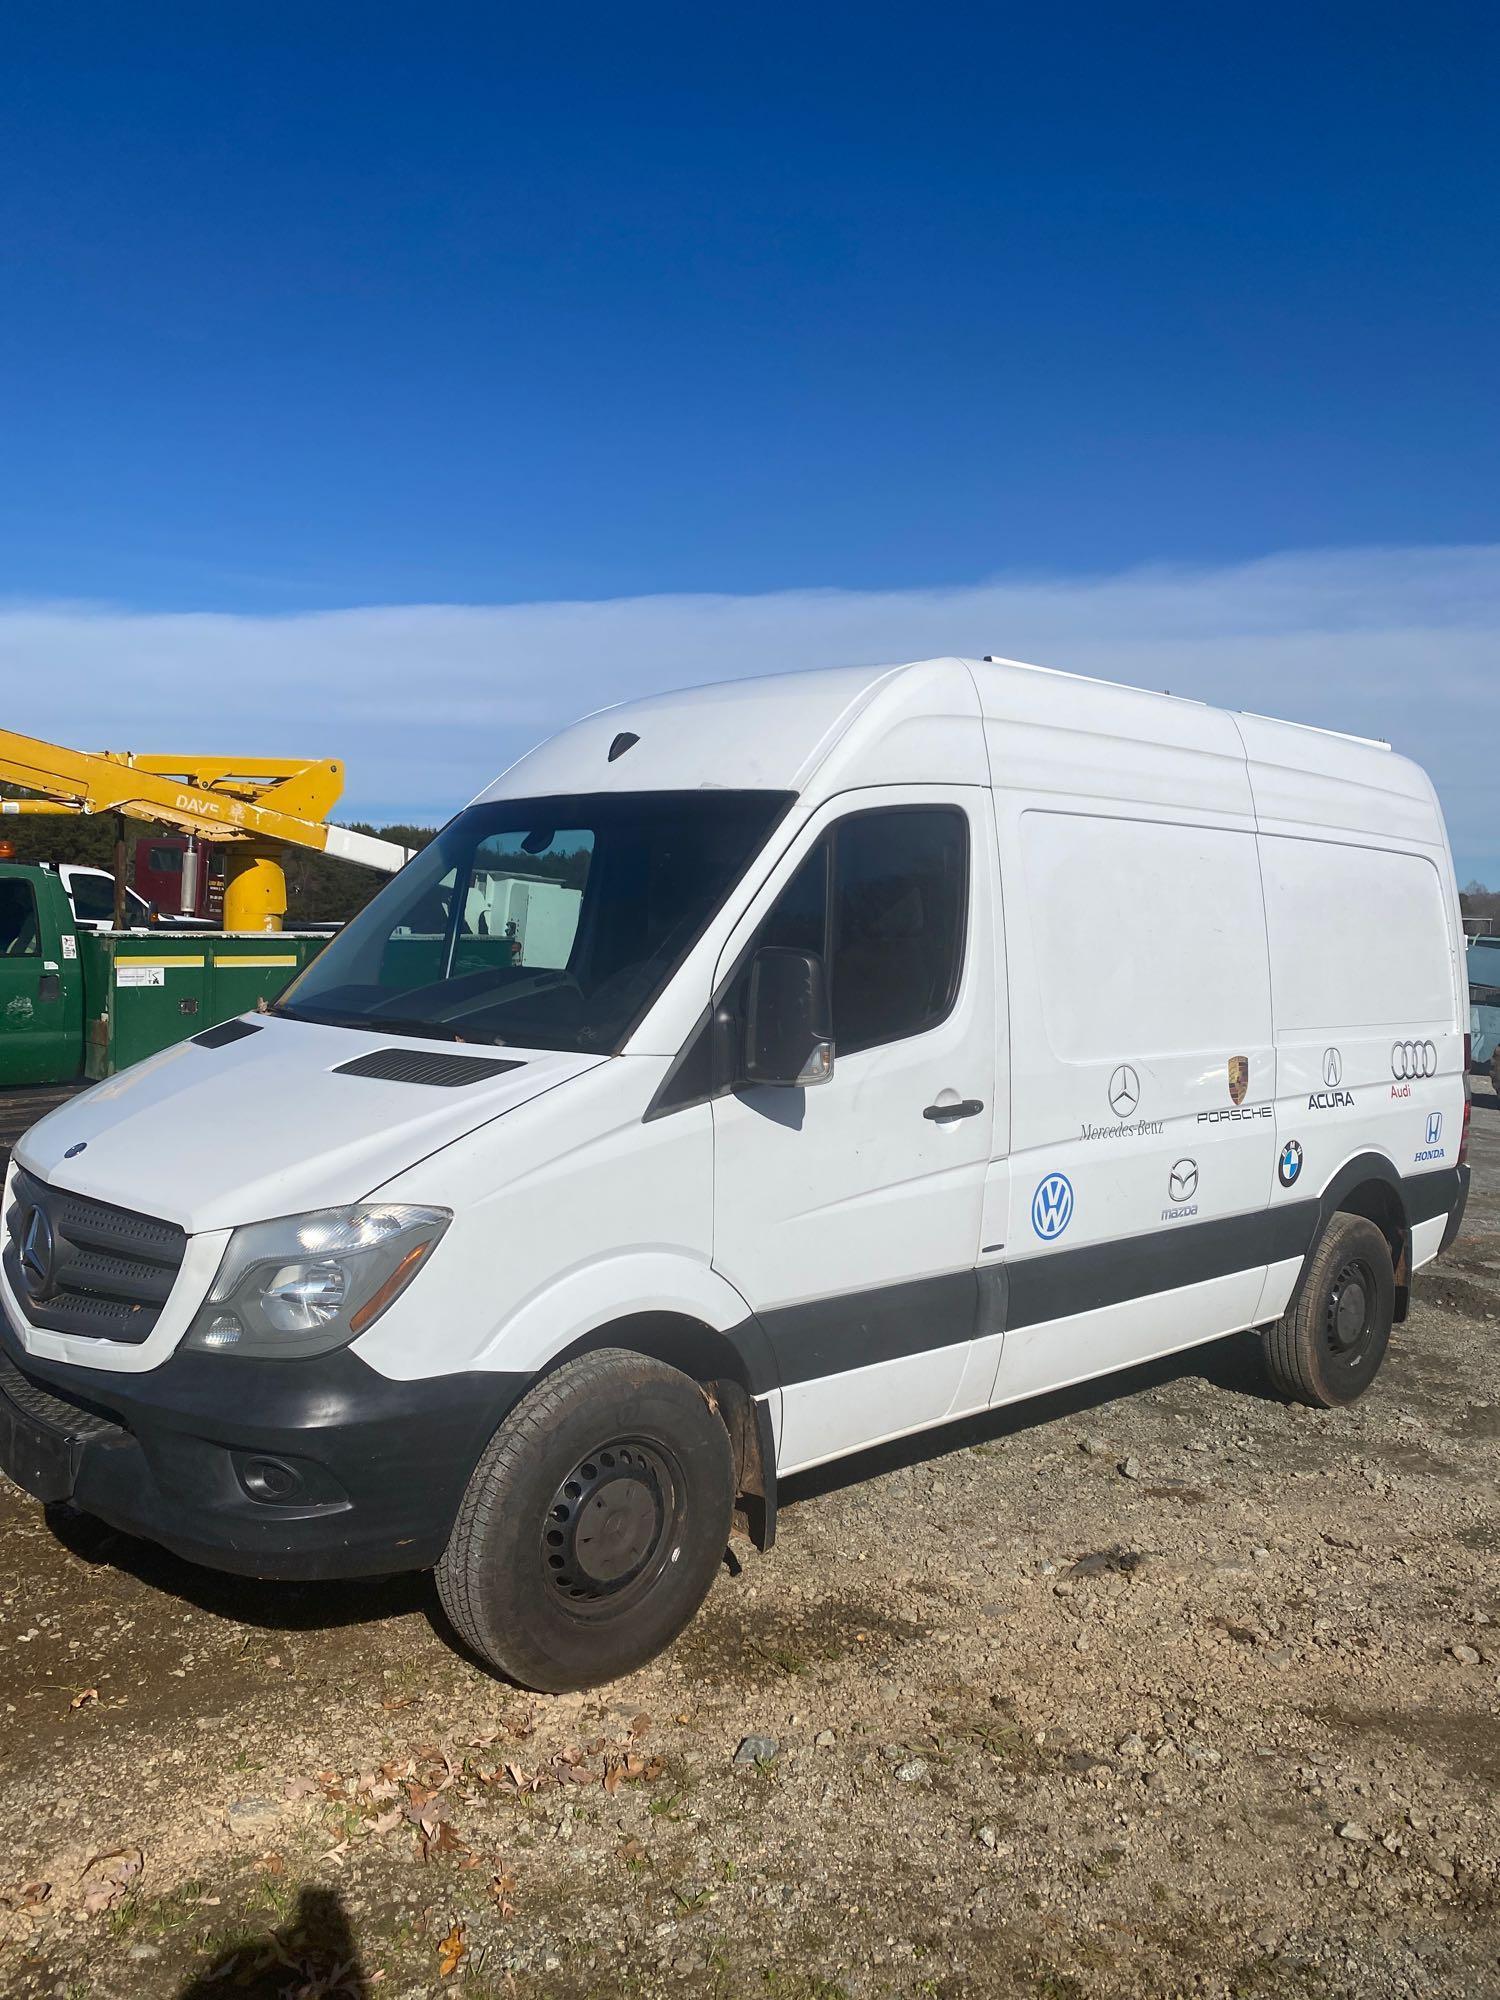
593, 1524
1325, 1350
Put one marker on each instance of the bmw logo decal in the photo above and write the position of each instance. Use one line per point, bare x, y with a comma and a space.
1290, 1163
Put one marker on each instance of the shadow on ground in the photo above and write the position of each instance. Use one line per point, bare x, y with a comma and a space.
314, 1955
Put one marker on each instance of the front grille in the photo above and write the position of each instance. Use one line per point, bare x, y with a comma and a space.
72, 1419
111, 1270
423, 1066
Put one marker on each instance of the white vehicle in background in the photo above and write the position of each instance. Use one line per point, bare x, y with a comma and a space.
537, 917
816, 1119
91, 896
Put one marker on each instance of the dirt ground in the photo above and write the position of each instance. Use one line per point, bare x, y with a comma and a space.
1155, 1688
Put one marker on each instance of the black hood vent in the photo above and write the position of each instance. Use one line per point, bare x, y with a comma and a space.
424, 1066
225, 1033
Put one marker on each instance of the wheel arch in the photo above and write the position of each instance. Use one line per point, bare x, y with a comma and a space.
1367, 1185
733, 1367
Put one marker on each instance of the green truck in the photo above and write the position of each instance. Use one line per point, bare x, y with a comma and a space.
79, 1002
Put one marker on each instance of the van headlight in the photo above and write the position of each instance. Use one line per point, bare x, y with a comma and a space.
306, 1283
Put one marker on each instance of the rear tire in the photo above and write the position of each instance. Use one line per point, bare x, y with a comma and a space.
1327, 1348
593, 1524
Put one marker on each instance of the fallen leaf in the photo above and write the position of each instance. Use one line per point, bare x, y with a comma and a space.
436, 1837
116, 1871
83, 1700
386, 1822
299, 1788
451, 1952
501, 1886
639, 1724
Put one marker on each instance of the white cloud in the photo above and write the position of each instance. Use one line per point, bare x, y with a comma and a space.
426, 702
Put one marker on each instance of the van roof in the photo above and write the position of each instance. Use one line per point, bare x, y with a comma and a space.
830, 729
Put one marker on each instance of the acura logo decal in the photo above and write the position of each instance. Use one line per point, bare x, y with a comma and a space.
1333, 1068
1124, 1091
37, 1253
1413, 1060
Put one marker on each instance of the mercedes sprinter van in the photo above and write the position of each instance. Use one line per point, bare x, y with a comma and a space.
893, 1044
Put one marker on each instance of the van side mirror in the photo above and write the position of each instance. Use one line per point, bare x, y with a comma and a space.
788, 1022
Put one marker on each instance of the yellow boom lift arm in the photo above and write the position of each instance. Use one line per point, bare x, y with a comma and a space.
255, 806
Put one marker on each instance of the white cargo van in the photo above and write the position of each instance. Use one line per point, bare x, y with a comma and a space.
921, 1039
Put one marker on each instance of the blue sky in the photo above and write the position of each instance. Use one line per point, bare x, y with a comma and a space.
325, 307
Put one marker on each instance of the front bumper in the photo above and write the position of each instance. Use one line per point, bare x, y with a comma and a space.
297, 1469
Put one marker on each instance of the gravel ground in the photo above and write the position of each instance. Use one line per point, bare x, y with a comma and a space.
1158, 1687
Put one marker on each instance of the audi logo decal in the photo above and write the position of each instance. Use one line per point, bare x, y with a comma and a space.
1413, 1060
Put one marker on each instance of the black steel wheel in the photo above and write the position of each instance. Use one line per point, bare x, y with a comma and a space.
1327, 1347
612, 1524
593, 1524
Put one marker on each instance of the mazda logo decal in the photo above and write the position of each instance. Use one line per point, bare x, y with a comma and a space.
1124, 1091
1413, 1060
37, 1253
1333, 1068
1182, 1182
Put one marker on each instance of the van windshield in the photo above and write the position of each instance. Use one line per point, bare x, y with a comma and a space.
552, 923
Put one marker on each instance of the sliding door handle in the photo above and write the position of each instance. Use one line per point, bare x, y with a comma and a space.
944, 1114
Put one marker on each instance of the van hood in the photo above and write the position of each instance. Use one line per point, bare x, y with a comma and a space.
267, 1125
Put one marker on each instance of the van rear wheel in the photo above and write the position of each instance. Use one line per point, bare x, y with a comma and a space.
1327, 1348
593, 1524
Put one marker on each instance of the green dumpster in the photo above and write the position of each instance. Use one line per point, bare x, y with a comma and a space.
145, 990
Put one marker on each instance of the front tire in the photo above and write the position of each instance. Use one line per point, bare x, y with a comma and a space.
1328, 1347
593, 1524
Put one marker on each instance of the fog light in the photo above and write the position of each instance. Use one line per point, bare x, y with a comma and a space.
223, 1330
269, 1479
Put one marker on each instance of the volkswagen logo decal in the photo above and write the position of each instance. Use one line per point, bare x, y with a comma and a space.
38, 1252
1333, 1069
1410, 1061
1182, 1182
1124, 1091
1052, 1207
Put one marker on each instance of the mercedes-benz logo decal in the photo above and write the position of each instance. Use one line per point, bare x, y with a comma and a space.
1124, 1091
1333, 1068
1413, 1060
1182, 1182
37, 1253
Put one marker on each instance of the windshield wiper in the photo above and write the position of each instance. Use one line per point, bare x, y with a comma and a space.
371, 1024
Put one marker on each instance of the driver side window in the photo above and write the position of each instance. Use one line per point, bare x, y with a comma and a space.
882, 898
